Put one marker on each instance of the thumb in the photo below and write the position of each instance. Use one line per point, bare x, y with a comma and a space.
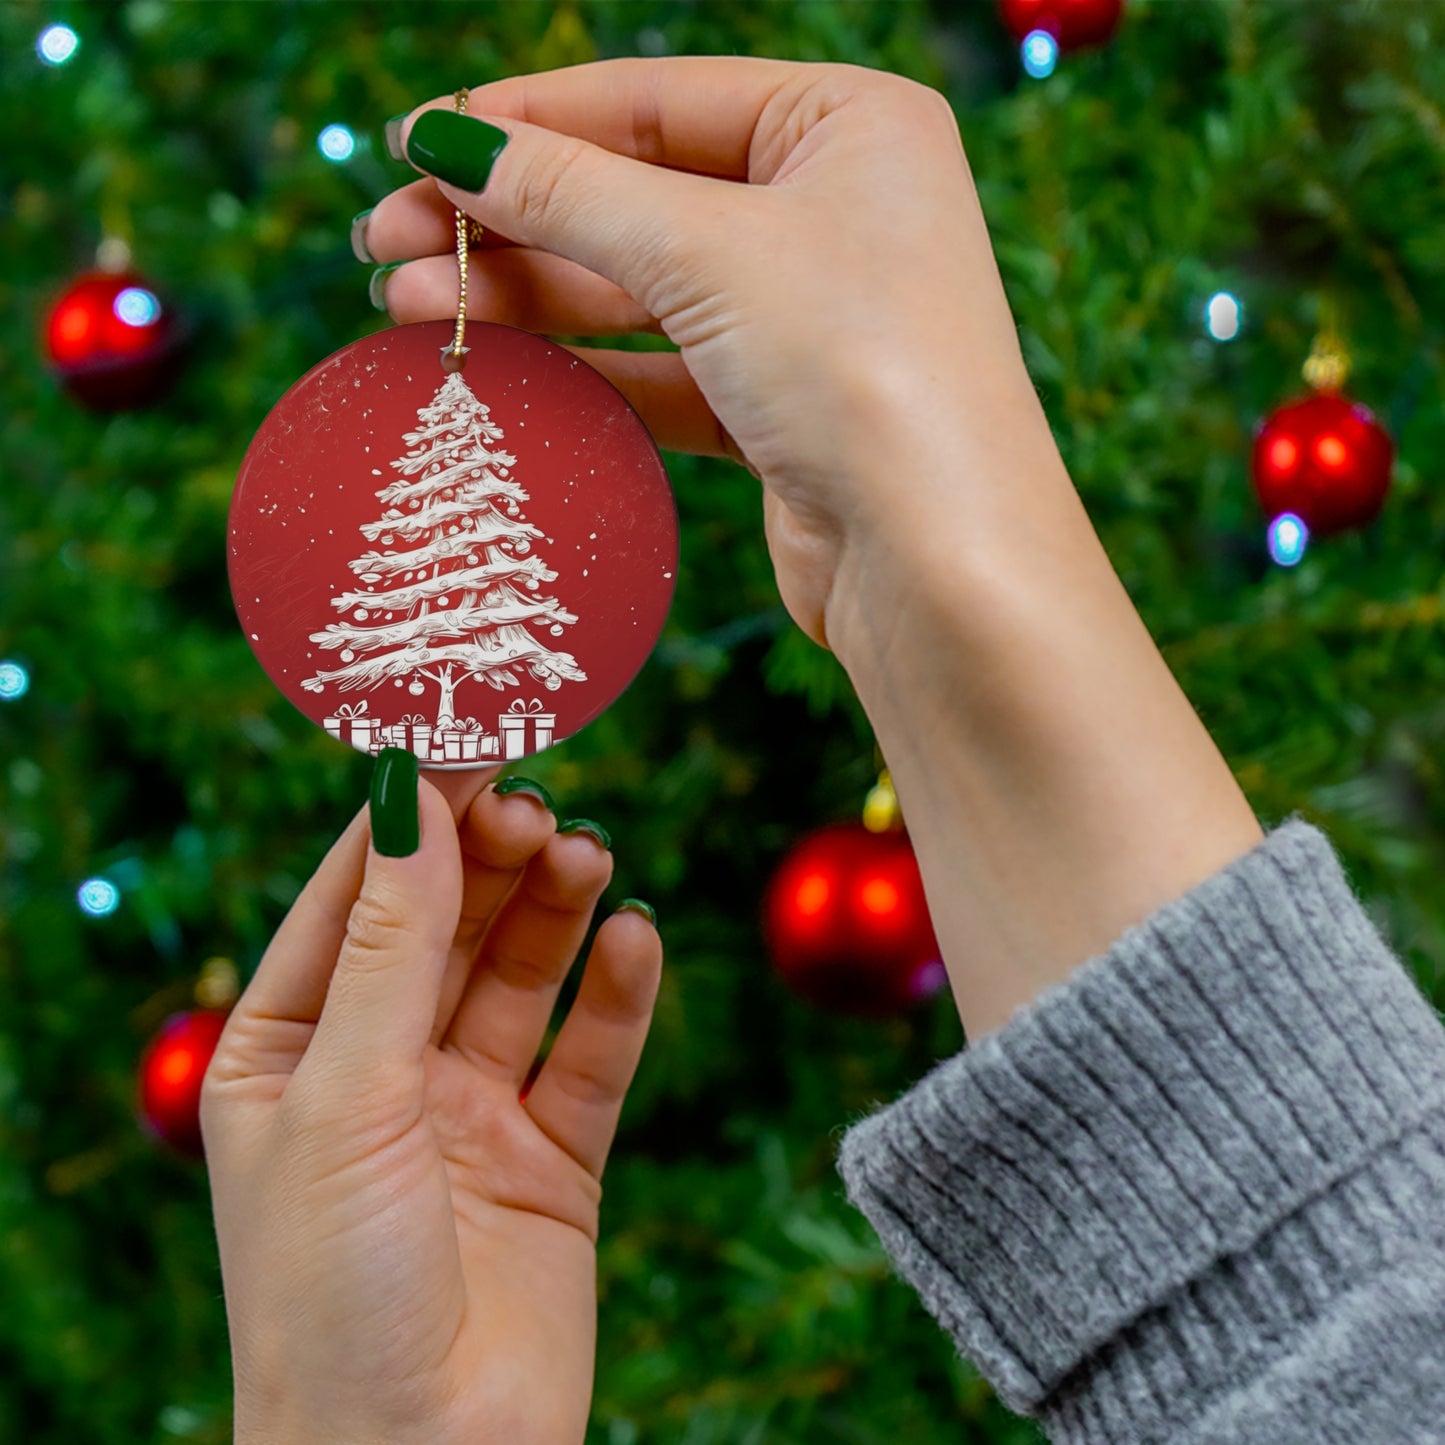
633, 223
382, 1000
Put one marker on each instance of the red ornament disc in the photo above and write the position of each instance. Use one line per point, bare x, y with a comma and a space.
470, 564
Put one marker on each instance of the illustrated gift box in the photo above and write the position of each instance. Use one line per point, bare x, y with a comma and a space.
398, 735
514, 724
350, 724
417, 736
464, 741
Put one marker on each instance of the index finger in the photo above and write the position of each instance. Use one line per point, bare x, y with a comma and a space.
696, 113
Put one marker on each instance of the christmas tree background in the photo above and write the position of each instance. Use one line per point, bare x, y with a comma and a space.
1283, 152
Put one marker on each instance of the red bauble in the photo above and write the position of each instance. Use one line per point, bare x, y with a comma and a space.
1073, 23
112, 341
847, 924
1324, 458
171, 1071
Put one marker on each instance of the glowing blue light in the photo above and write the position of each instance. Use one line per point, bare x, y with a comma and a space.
98, 897
137, 307
1223, 316
14, 681
57, 44
1288, 537
336, 143
1040, 52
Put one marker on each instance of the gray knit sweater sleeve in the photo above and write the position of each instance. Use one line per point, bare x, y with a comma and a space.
1196, 1192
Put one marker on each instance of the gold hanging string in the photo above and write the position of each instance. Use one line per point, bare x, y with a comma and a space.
469, 232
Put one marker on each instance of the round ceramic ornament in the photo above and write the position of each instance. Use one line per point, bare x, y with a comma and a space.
471, 560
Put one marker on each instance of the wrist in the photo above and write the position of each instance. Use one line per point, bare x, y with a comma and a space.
949, 472
1056, 782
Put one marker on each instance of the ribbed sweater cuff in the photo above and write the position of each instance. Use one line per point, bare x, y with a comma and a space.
1142, 1165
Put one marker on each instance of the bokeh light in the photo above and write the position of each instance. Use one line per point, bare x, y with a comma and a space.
1288, 538
57, 44
14, 681
336, 143
98, 897
1040, 52
1223, 316
137, 307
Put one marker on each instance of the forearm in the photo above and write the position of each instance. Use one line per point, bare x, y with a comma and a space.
1057, 784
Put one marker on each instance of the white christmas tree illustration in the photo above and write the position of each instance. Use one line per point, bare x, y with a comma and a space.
454, 595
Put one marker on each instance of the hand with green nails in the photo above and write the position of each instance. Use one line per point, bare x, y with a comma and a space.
807, 234
407, 1204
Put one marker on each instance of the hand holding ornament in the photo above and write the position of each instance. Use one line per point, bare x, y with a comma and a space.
808, 235
407, 1221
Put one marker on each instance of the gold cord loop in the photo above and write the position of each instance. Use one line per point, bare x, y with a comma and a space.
468, 232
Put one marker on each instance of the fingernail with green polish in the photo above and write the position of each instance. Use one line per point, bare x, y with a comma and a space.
393, 136
533, 788
395, 824
586, 825
376, 288
636, 905
359, 247
455, 148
